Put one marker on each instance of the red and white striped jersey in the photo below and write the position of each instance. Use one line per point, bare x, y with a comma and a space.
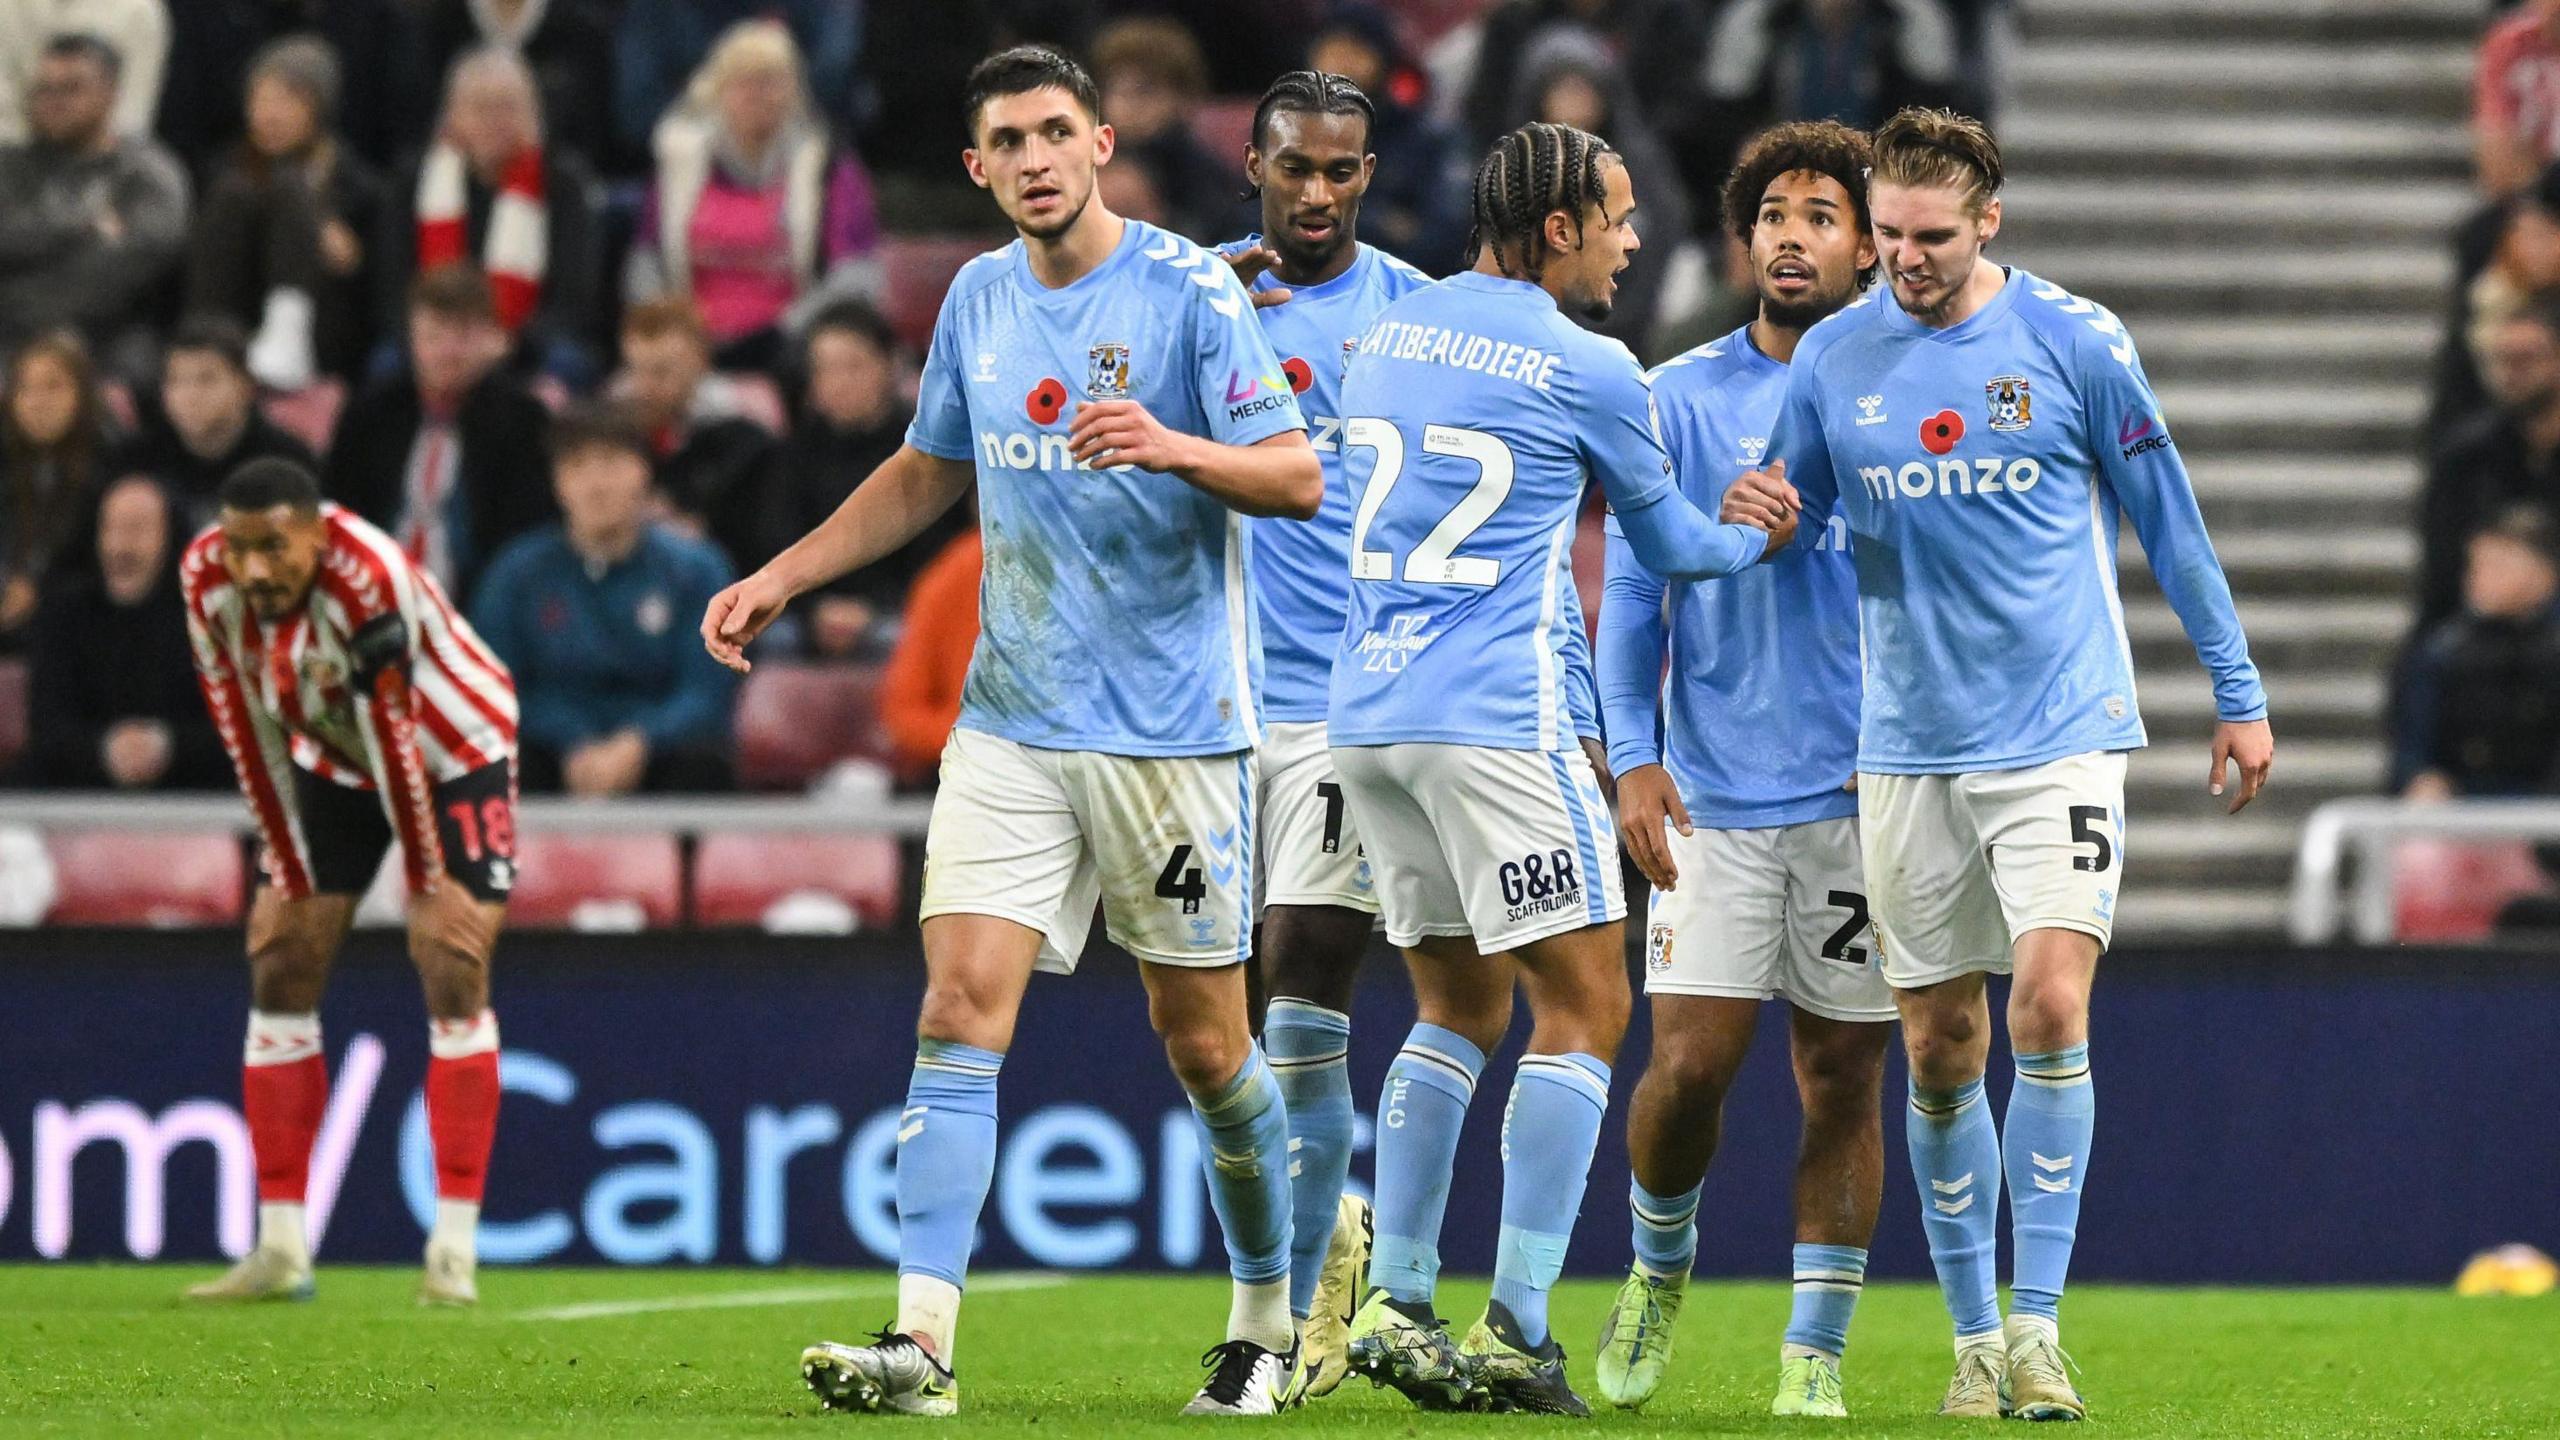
376, 683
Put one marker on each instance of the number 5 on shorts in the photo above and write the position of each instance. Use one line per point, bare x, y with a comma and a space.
2085, 820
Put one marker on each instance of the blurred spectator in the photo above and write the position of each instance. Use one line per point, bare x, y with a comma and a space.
596, 617
1152, 77
2479, 705
920, 690
1854, 61
1128, 188
1567, 79
2515, 98
568, 44
2509, 454
446, 454
487, 190
281, 239
136, 30
2504, 256
92, 220
852, 419
1658, 47
387, 110
715, 464
112, 698
659, 42
910, 122
54, 444
1416, 208
756, 217
208, 423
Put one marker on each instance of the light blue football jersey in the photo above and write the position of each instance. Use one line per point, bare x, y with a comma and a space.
1302, 568
1982, 469
1474, 415
1114, 614
1758, 719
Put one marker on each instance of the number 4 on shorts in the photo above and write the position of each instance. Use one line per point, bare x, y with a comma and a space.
1178, 883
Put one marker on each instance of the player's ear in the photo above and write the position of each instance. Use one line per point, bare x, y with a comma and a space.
1368, 170
976, 167
1106, 142
1253, 166
1990, 219
1559, 231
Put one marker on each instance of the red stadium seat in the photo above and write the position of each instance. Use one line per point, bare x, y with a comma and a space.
309, 414
794, 721
2447, 890
915, 270
617, 881
13, 712
152, 877
1224, 127
737, 879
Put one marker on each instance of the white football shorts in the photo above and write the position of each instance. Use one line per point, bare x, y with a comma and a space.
1310, 847
1773, 913
1165, 843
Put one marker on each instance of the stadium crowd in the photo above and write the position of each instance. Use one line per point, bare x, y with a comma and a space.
594, 304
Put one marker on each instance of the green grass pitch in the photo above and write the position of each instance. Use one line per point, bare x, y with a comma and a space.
110, 1351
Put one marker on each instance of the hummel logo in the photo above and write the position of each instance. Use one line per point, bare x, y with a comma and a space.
2130, 431
1868, 403
1871, 408
986, 366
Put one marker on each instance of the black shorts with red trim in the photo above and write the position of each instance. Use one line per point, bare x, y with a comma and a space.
346, 834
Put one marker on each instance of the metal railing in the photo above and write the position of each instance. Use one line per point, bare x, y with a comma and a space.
2367, 829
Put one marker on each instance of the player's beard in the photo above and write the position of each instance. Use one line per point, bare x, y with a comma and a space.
1804, 314
1068, 217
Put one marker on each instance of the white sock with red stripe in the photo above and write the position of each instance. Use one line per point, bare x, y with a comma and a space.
284, 1090
462, 1119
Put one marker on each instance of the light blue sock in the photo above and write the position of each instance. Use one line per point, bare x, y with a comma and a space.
1419, 1113
1666, 1229
1310, 1050
1245, 1139
1955, 1157
946, 1156
2053, 1112
1549, 1131
1828, 1278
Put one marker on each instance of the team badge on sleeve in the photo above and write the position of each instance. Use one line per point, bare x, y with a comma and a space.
1107, 375
2009, 403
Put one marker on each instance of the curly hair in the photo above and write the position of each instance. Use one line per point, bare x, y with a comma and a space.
1823, 147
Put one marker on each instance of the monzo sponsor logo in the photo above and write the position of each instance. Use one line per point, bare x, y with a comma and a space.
1919, 479
1045, 451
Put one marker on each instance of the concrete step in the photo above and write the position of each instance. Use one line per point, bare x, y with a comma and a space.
2294, 76
2129, 147
2401, 283
2325, 481
2307, 705
2042, 209
2267, 564
2172, 915
2330, 419
2213, 346
2354, 766
2287, 634
2350, 21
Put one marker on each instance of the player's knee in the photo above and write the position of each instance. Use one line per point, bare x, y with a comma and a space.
454, 972
1945, 1050
1839, 1082
1205, 1055
2047, 1017
1699, 1071
287, 972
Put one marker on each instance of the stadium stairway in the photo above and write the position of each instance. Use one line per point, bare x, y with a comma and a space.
2264, 190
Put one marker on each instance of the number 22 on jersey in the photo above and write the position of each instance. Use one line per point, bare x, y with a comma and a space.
1435, 561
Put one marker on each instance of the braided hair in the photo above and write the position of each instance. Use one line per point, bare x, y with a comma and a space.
1313, 92
1530, 174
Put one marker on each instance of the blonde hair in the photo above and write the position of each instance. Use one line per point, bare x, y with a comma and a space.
749, 45
1925, 148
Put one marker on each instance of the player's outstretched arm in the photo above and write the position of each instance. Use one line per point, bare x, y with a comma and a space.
909, 491
1629, 655
1277, 475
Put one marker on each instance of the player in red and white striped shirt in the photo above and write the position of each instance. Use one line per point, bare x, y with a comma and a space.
360, 711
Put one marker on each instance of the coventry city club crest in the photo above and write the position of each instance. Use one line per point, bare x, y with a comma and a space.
1107, 375
2009, 409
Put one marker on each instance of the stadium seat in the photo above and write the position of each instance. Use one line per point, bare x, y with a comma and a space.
160, 878
915, 270
309, 414
738, 880
794, 721
2446, 890
13, 712
597, 882
1223, 127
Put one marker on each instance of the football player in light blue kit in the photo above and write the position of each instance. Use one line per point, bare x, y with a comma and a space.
1316, 288
1734, 799
1106, 386
1982, 431
1476, 412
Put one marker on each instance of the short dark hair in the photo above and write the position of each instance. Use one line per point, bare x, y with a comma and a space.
1824, 147
212, 334
1021, 70
1314, 92
1530, 174
857, 317
600, 425
82, 45
269, 481
456, 291
665, 316
2528, 525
